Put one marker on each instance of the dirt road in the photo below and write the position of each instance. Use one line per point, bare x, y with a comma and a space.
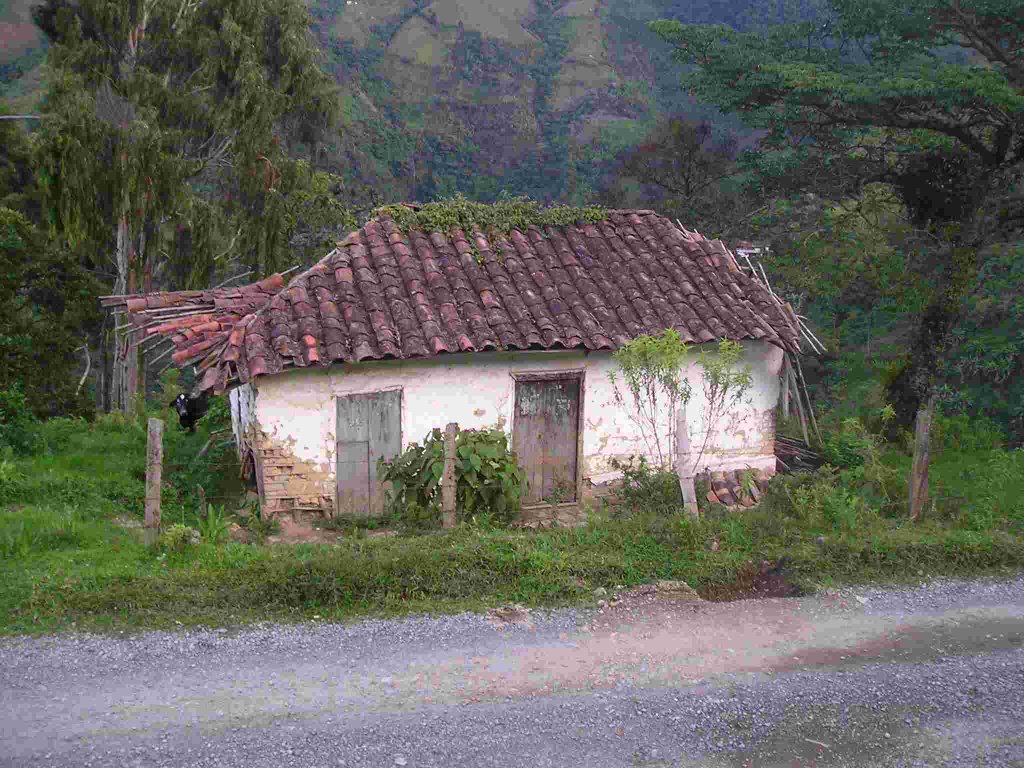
925, 676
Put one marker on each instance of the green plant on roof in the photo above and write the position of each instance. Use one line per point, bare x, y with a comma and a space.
498, 218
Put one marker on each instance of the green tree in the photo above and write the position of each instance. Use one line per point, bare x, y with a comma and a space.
47, 310
16, 172
925, 95
176, 123
690, 165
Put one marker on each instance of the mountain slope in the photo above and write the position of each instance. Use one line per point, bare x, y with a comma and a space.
527, 97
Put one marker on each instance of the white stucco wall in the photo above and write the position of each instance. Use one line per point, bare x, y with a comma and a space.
296, 411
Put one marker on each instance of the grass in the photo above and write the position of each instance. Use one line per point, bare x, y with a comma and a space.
68, 559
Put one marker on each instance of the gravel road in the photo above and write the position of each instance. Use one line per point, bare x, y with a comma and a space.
925, 676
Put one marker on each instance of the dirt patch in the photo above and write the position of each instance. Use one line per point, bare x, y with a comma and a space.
302, 532
305, 531
755, 582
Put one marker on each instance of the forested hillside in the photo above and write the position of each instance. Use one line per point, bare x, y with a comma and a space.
530, 97
543, 94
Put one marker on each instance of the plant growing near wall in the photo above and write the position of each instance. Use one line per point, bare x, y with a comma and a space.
487, 477
648, 368
725, 384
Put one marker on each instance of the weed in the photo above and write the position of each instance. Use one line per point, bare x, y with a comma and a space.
213, 526
646, 488
179, 537
12, 482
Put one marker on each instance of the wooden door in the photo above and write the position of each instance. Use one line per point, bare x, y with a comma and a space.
545, 434
369, 428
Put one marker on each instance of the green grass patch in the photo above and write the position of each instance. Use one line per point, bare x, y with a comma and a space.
71, 554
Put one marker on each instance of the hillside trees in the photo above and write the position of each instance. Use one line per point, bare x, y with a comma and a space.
170, 139
925, 95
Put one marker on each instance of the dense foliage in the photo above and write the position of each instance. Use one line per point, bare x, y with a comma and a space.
927, 96
488, 480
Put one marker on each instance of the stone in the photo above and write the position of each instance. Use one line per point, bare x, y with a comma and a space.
676, 590
239, 534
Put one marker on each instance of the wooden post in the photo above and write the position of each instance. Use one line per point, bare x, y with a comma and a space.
785, 387
807, 394
154, 467
799, 406
919, 469
683, 469
201, 497
451, 434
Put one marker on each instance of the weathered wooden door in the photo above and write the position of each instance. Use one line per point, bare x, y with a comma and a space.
545, 432
369, 428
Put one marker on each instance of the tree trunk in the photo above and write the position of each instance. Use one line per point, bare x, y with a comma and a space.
914, 390
119, 369
131, 359
103, 367
919, 470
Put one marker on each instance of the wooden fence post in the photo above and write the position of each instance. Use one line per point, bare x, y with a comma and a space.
154, 467
919, 468
683, 469
451, 433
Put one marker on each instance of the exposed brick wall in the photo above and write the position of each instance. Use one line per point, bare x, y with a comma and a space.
290, 483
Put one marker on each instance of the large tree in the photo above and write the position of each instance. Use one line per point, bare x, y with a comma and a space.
170, 137
926, 95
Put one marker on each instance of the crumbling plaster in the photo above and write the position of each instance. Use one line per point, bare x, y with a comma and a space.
292, 415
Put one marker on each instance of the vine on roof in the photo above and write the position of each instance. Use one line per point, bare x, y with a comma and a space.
498, 218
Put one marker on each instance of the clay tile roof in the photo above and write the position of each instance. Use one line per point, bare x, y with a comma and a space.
384, 293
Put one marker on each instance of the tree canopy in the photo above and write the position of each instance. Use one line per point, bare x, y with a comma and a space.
925, 94
187, 115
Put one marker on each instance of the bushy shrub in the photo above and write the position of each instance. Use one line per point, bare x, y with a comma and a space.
817, 500
179, 537
964, 433
58, 432
645, 488
12, 482
848, 446
488, 479
19, 428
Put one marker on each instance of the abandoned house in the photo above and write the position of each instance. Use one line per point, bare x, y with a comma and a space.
396, 332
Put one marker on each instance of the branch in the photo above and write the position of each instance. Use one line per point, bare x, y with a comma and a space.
88, 367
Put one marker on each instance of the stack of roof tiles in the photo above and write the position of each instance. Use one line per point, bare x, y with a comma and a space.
384, 293
733, 490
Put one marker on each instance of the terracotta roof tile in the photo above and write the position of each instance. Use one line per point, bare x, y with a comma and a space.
384, 293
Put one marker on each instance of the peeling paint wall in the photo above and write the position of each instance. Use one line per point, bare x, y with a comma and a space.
295, 413
242, 400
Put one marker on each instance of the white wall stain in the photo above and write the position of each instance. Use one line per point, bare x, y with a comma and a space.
298, 407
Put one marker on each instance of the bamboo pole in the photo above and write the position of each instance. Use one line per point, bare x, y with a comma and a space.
799, 405
451, 433
785, 387
807, 394
154, 470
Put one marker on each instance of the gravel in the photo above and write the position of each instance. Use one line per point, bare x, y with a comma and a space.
918, 676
